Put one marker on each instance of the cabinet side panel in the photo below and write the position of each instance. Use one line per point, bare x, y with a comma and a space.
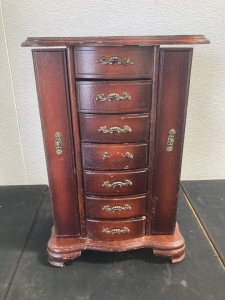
51, 78
174, 77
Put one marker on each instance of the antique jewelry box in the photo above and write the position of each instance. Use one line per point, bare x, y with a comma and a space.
113, 115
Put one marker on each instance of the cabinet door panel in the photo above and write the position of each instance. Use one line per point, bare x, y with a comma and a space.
174, 70
51, 77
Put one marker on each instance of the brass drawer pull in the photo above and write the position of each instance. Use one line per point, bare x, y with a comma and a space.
58, 143
170, 140
115, 129
117, 208
116, 230
112, 96
128, 154
105, 155
114, 59
117, 183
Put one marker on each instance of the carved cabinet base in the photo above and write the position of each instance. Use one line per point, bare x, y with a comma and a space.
61, 250
113, 117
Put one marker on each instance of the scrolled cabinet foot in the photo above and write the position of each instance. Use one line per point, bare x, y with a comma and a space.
58, 260
175, 255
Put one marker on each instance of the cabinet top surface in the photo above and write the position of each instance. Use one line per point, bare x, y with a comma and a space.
114, 40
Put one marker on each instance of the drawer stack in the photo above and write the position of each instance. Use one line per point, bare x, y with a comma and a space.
114, 90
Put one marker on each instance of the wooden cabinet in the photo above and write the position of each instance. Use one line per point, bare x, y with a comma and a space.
113, 115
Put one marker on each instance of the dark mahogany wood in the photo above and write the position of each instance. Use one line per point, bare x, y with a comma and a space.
87, 66
76, 137
61, 250
114, 156
175, 67
114, 187
115, 40
111, 230
115, 207
94, 180
51, 77
89, 101
91, 125
150, 208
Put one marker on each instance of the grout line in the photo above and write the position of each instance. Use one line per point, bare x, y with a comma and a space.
203, 229
13, 91
26, 241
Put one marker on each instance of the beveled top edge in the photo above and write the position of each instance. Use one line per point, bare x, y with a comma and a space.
114, 40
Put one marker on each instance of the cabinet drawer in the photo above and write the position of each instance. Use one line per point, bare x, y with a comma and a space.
114, 156
115, 183
115, 208
114, 97
114, 128
114, 62
115, 230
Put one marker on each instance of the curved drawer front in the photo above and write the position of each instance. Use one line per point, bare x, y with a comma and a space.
113, 97
114, 128
113, 62
114, 156
115, 208
115, 230
115, 183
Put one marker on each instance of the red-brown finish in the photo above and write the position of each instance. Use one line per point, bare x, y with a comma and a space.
115, 207
135, 229
115, 165
87, 67
114, 156
175, 67
139, 91
76, 137
91, 124
61, 250
51, 78
115, 40
150, 208
94, 180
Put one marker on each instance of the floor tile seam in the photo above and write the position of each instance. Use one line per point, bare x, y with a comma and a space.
26, 241
203, 229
